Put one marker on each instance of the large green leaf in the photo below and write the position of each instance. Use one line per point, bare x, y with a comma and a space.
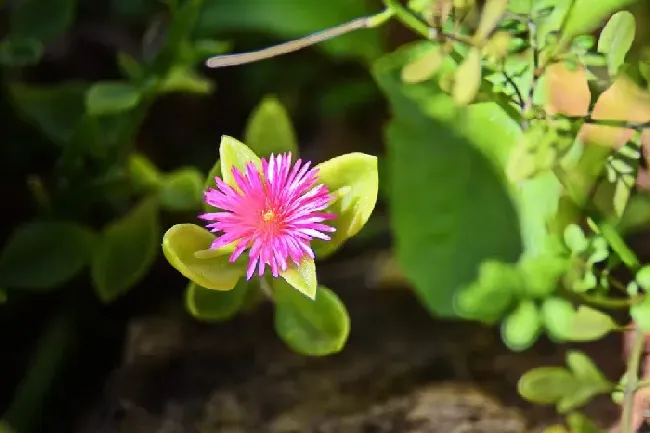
355, 177
43, 255
450, 207
316, 328
586, 15
293, 19
126, 252
183, 245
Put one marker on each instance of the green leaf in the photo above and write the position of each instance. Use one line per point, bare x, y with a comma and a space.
127, 250
640, 312
20, 52
586, 371
130, 67
143, 174
520, 6
467, 79
522, 327
542, 274
424, 67
41, 20
643, 277
586, 15
55, 110
234, 153
490, 297
314, 328
185, 79
43, 255
182, 189
269, 129
3, 296
302, 277
357, 173
112, 97
575, 239
180, 245
288, 20
616, 39
591, 382
213, 305
559, 317
546, 385
579, 423
450, 206
492, 12
590, 324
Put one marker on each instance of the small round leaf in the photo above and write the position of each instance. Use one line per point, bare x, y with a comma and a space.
558, 317
180, 245
643, 277
43, 255
547, 385
143, 174
590, 324
522, 327
315, 328
641, 313
575, 239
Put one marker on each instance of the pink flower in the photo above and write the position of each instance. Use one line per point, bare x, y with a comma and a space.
275, 213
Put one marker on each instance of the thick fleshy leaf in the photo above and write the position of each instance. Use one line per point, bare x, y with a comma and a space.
357, 172
234, 153
269, 129
44, 255
522, 327
127, 250
20, 52
424, 67
616, 39
451, 208
315, 328
215, 305
558, 317
590, 325
180, 245
547, 385
303, 277
182, 189
112, 97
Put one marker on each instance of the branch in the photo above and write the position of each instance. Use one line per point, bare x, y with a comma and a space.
298, 44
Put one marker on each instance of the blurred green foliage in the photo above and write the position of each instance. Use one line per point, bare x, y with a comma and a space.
513, 170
